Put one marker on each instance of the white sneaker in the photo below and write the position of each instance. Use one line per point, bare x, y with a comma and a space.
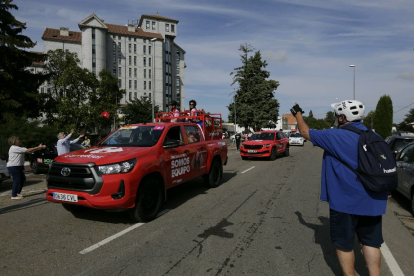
17, 197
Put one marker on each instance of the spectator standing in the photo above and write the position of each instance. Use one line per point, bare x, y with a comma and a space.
238, 137
86, 142
15, 165
63, 144
353, 209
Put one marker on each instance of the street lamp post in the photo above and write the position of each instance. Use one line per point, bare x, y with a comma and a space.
354, 78
153, 82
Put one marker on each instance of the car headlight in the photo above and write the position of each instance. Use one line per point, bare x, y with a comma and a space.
121, 167
267, 145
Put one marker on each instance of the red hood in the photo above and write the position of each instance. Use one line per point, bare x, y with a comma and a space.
257, 142
103, 155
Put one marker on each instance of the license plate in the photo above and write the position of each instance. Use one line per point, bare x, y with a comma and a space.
252, 151
65, 197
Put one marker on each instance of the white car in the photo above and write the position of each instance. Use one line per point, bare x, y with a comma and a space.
296, 139
4, 173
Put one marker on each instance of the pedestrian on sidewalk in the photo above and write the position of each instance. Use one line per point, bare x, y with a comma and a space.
63, 144
15, 165
238, 137
353, 209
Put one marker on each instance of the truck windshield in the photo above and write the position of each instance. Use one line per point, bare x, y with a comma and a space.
134, 136
263, 136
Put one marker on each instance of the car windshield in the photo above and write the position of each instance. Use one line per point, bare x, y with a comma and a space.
295, 135
400, 143
407, 134
76, 146
134, 136
263, 136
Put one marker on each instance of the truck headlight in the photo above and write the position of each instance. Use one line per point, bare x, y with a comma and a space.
121, 167
267, 145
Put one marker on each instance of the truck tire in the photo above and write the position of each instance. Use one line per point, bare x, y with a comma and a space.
212, 179
286, 153
273, 154
244, 157
34, 166
148, 201
74, 209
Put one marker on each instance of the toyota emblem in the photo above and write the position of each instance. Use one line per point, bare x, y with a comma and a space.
65, 171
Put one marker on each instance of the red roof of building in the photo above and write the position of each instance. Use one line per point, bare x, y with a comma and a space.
291, 119
54, 34
118, 29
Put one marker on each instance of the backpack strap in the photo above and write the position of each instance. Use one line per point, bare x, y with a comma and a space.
353, 129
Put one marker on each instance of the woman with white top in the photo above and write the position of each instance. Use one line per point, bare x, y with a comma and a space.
15, 165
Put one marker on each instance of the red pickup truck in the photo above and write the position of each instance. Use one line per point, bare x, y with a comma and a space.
134, 166
265, 144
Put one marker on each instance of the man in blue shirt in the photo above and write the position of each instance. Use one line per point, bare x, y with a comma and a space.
63, 144
352, 208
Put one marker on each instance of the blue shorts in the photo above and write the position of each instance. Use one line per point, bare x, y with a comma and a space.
344, 226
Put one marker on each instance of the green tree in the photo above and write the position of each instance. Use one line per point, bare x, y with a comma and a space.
256, 106
77, 97
330, 118
19, 94
368, 120
383, 116
319, 124
306, 118
405, 124
139, 111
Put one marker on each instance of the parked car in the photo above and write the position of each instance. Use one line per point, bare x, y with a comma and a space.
4, 173
40, 160
296, 139
405, 170
265, 144
398, 142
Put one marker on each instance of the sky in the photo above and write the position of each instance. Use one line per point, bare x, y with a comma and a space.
308, 45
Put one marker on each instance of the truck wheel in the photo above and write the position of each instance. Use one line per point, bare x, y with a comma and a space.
286, 153
148, 201
272, 156
244, 157
34, 166
212, 179
74, 208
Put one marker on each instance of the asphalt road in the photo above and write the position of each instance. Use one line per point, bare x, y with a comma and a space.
264, 219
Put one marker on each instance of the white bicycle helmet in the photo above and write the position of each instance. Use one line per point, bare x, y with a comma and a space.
353, 110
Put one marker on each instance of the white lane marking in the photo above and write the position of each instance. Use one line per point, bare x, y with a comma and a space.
105, 241
248, 169
391, 262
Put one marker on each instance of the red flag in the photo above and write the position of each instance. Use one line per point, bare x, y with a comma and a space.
105, 114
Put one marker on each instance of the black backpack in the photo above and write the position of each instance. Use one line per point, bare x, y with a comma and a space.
377, 169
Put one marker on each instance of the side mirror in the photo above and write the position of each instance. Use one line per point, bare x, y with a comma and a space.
171, 144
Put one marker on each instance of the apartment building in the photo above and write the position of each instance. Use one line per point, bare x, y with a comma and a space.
142, 55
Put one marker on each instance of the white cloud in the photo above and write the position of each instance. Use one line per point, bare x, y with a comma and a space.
278, 56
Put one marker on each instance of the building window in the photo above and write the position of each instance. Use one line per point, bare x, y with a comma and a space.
149, 95
167, 27
145, 73
147, 23
114, 70
135, 95
93, 33
145, 85
119, 37
135, 84
149, 85
42, 90
172, 28
145, 61
130, 96
153, 25
119, 72
130, 72
119, 46
130, 47
135, 39
149, 73
130, 84
135, 72
178, 82
129, 60
114, 58
149, 61
135, 61
114, 45
135, 48
177, 71
144, 49
119, 83
149, 50
129, 38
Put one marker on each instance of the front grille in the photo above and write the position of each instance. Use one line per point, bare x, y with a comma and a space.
82, 177
256, 147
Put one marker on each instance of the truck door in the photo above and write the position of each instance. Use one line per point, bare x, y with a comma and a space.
197, 151
176, 160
